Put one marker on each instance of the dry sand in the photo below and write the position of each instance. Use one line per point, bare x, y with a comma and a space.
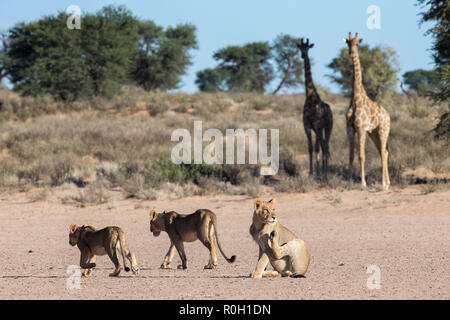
404, 232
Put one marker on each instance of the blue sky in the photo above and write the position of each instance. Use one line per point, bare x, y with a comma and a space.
236, 22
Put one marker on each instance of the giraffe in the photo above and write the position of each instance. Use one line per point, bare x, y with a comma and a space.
365, 116
317, 116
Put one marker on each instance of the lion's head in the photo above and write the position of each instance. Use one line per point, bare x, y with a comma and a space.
264, 211
157, 223
75, 232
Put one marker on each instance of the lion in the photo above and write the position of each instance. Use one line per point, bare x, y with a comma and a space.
94, 243
201, 225
286, 253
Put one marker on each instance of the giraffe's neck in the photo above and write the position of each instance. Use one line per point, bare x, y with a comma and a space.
309, 84
358, 88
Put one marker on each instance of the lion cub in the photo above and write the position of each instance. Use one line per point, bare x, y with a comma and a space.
94, 243
202, 225
286, 253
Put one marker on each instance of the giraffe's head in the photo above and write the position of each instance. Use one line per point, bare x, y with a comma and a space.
304, 47
352, 42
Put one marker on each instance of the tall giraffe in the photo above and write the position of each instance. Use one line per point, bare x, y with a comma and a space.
317, 116
365, 116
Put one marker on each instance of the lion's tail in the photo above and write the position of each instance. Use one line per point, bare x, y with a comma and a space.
123, 245
233, 258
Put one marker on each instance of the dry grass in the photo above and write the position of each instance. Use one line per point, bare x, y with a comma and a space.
91, 195
124, 144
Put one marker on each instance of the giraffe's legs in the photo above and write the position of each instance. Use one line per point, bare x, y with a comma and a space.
310, 148
351, 140
317, 150
362, 156
326, 152
384, 159
377, 137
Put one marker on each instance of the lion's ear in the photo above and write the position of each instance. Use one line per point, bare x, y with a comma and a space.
73, 227
271, 203
153, 214
166, 211
257, 204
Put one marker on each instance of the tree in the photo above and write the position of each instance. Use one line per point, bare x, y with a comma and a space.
211, 80
379, 69
45, 57
438, 11
109, 42
288, 62
5, 61
111, 49
250, 67
422, 81
247, 67
162, 56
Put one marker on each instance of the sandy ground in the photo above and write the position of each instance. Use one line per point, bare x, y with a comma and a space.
403, 232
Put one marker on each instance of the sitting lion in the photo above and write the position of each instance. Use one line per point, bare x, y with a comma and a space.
181, 228
286, 253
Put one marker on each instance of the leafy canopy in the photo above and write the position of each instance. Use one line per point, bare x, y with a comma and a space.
438, 12
422, 81
379, 68
248, 67
289, 64
252, 67
162, 55
113, 48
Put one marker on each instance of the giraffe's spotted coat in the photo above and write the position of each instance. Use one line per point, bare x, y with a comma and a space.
366, 116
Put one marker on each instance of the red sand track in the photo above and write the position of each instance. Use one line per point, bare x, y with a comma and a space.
405, 233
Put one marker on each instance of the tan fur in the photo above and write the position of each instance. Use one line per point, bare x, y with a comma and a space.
181, 228
286, 253
366, 116
94, 243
